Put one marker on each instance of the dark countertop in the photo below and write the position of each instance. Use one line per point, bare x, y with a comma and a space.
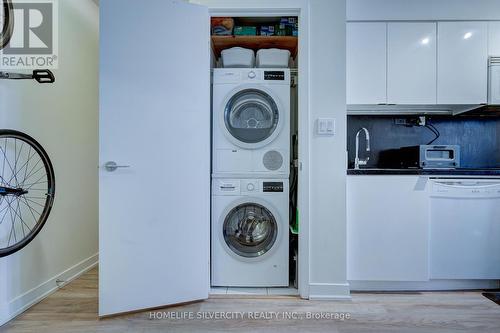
421, 172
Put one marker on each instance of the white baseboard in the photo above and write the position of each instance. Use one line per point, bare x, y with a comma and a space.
329, 291
4, 317
23, 302
431, 285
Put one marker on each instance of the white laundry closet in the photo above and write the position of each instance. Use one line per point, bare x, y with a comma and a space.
254, 238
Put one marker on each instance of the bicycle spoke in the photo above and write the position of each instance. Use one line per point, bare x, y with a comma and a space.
10, 235
16, 159
4, 182
20, 215
35, 172
6, 159
3, 217
1, 211
31, 211
29, 186
22, 167
13, 221
3, 167
27, 164
40, 190
30, 172
36, 203
15, 214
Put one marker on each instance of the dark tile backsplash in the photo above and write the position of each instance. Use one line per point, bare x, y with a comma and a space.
479, 137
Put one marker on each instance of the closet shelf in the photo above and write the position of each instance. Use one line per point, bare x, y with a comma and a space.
255, 43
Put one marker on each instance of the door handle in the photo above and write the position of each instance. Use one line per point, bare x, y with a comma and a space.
112, 166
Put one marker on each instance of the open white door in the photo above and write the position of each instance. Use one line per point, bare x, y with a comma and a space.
154, 217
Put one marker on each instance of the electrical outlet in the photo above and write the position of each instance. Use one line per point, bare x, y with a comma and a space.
422, 121
411, 121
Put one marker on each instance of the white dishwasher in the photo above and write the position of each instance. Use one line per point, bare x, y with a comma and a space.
465, 229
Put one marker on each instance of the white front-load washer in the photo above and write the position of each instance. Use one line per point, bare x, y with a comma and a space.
251, 123
250, 233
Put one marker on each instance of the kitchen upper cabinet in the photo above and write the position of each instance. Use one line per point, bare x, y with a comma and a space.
366, 63
387, 228
411, 72
494, 39
462, 62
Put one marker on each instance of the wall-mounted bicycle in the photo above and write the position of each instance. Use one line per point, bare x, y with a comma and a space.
27, 179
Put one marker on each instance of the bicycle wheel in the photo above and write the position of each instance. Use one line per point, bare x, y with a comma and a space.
27, 190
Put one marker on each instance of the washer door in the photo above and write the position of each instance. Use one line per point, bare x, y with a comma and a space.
251, 117
250, 230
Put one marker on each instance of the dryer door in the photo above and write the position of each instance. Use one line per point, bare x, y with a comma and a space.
251, 117
250, 230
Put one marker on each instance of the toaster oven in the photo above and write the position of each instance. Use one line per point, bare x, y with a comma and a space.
423, 157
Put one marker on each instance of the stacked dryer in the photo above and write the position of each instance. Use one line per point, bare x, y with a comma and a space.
250, 170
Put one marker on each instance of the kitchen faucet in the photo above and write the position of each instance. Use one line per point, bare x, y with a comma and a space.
357, 161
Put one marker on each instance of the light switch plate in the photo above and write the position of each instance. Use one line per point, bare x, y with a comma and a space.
326, 126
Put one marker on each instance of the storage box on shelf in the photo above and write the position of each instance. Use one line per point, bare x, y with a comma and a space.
272, 58
255, 43
238, 57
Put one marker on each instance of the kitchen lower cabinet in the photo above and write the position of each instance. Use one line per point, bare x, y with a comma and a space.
387, 228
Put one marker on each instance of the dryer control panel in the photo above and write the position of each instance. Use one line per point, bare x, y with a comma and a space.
251, 75
274, 75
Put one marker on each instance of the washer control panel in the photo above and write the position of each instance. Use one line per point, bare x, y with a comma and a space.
251, 75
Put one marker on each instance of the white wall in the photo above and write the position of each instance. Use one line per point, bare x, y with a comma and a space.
63, 117
361, 10
328, 164
326, 170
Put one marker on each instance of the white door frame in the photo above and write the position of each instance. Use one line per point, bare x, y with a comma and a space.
298, 8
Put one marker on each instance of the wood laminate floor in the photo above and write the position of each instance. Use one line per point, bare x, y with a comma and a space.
74, 309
